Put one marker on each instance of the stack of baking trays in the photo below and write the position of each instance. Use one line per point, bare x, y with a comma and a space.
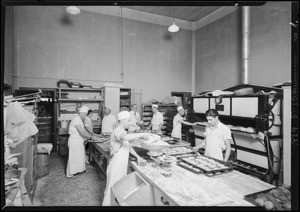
180, 152
204, 165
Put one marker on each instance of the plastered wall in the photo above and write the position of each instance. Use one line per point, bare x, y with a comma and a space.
89, 48
49, 45
219, 49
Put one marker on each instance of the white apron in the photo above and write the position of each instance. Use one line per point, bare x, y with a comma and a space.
76, 161
213, 147
116, 170
176, 131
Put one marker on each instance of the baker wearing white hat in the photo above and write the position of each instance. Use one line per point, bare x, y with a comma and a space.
135, 120
109, 121
76, 160
156, 121
178, 120
119, 151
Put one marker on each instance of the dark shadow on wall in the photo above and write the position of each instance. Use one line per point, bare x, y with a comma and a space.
65, 20
167, 36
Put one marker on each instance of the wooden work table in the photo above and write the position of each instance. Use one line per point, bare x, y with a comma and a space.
185, 188
100, 153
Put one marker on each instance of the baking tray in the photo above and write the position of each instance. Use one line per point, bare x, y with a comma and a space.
180, 163
185, 155
100, 140
251, 197
181, 153
209, 173
278, 205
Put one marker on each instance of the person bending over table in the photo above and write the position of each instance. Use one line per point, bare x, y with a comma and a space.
217, 137
76, 158
119, 151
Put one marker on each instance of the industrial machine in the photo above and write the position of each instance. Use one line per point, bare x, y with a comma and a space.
254, 114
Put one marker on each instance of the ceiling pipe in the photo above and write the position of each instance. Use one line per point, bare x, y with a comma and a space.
245, 41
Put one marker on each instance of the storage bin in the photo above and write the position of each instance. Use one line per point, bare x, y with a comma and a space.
43, 164
133, 190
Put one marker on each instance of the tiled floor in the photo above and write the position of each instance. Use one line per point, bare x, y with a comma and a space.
55, 189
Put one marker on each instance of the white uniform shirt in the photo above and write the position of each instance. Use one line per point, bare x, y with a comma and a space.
115, 141
134, 118
215, 140
157, 119
88, 122
72, 129
176, 132
108, 123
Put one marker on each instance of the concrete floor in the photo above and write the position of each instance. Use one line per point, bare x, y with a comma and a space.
55, 189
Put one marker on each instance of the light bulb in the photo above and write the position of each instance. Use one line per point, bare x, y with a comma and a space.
73, 10
173, 28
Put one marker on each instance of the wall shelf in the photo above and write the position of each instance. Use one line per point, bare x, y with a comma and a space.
80, 100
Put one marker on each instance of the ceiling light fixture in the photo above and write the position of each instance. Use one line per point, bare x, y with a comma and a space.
173, 27
73, 10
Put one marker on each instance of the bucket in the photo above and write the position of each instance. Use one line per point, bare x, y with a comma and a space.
64, 124
63, 145
43, 164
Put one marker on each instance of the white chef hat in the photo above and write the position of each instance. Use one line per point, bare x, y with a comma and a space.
123, 115
84, 109
107, 107
154, 105
179, 108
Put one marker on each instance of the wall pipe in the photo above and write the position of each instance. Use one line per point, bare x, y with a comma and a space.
245, 41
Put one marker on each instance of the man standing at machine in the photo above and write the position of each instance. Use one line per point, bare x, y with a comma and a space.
217, 137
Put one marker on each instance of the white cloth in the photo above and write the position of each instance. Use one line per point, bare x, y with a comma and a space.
108, 123
76, 160
18, 122
157, 119
123, 115
117, 168
176, 131
134, 118
215, 140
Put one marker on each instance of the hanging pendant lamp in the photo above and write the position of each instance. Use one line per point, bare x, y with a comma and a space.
73, 10
173, 27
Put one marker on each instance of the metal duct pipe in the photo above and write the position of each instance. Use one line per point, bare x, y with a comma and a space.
245, 40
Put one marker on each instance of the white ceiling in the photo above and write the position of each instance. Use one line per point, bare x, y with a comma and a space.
186, 17
186, 13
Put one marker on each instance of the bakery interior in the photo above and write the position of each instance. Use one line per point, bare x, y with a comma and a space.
238, 58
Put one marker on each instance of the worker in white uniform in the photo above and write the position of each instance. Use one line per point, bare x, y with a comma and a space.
88, 125
109, 121
135, 120
76, 160
156, 121
119, 151
217, 137
178, 120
